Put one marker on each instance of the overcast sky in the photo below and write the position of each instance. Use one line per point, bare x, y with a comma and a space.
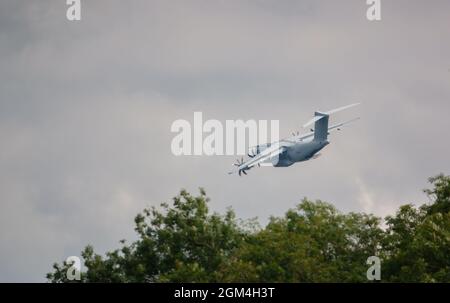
86, 109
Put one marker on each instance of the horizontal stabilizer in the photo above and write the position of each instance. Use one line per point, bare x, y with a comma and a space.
336, 126
341, 108
319, 115
313, 120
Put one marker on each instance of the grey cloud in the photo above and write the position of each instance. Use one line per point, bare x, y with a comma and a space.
86, 109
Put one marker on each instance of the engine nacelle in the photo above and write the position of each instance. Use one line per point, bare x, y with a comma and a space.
281, 160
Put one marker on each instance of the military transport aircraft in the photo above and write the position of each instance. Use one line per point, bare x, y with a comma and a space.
296, 148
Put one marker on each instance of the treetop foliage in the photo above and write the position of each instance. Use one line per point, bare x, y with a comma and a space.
313, 242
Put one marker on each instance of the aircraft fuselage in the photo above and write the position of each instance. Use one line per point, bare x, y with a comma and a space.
298, 152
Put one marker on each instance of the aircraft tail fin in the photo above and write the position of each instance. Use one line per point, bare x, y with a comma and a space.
321, 126
320, 121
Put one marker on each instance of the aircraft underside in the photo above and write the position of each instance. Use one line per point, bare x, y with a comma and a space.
299, 153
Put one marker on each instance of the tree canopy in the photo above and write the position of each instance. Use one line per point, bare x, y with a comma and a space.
314, 242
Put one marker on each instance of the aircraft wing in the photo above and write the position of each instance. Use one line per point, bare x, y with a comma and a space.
274, 150
337, 126
331, 128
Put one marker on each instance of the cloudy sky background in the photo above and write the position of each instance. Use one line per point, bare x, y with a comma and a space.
86, 109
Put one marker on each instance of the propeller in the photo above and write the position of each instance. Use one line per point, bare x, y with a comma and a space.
251, 155
238, 163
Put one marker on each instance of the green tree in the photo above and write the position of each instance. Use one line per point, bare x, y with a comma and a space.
180, 243
314, 242
417, 242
